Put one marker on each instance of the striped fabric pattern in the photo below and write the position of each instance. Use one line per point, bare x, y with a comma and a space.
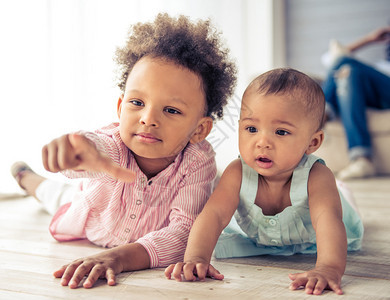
157, 213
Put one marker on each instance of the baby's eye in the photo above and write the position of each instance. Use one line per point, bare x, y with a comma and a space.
136, 102
171, 110
251, 129
282, 132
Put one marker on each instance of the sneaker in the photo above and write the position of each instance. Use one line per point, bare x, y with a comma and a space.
336, 50
359, 168
17, 170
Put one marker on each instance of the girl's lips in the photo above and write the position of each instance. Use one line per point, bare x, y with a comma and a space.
147, 137
264, 162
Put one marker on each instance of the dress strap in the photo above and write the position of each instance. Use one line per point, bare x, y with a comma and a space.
298, 189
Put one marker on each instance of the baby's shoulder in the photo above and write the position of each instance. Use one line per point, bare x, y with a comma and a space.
234, 170
319, 171
321, 181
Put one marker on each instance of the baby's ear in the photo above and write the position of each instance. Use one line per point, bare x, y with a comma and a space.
202, 130
316, 141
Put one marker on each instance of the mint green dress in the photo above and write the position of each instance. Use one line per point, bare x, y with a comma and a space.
252, 233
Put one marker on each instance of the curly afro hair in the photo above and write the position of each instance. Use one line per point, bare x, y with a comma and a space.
195, 46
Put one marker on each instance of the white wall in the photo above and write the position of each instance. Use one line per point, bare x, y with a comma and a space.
57, 71
311, 24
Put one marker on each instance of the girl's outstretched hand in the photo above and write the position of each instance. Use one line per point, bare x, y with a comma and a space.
76, 152
316, 280
191, 271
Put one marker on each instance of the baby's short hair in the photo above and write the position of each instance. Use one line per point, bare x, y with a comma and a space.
195, 46
297, 86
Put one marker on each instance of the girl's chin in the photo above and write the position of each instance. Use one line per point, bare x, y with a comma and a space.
153, 156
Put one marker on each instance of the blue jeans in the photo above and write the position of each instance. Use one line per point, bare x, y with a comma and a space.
349, 89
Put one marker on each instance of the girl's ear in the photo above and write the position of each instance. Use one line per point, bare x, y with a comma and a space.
202, 131
316, 141
119, 106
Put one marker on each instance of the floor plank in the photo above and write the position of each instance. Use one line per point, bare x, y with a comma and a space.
29, 255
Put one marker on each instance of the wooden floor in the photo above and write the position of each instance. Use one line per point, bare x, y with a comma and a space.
29, 255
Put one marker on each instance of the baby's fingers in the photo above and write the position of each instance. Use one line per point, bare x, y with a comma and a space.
168, 271
310, 286
177, 271
190, 269
335, 287
214, 273
297, 281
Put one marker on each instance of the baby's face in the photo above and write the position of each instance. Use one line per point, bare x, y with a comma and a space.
160, 109
274, 133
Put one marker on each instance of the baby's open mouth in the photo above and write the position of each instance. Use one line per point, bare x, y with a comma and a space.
265, 160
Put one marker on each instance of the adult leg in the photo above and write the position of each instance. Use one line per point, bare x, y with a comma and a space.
359, 86
329, 88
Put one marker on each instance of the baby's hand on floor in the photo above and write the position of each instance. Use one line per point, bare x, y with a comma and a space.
316, 280
192, 270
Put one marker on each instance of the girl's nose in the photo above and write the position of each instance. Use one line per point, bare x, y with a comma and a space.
149, 118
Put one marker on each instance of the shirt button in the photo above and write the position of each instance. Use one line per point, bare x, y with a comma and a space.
142, 180
138, 202
127, 230
132, 216
272, 222
274, 242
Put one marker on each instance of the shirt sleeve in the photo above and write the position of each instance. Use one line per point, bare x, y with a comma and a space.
167, 246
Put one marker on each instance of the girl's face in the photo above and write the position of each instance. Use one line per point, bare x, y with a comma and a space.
162, 110
274, 133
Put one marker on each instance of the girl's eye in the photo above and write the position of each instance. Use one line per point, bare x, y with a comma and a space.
136, 102
282, 132
172, 110
251, 129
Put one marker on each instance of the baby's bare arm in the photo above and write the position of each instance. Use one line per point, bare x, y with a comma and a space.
205, 232
326, 216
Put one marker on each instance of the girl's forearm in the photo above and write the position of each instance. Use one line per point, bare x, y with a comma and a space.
132, 256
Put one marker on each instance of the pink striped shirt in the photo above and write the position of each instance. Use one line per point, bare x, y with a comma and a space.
157, 213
